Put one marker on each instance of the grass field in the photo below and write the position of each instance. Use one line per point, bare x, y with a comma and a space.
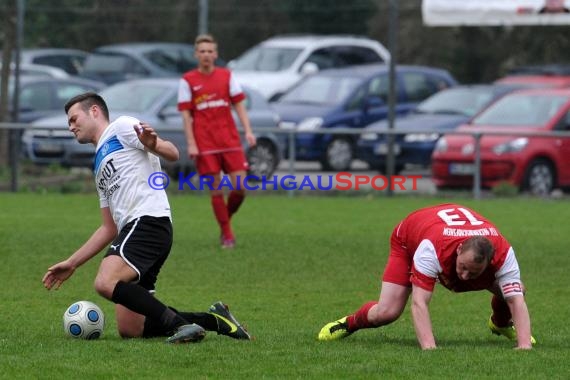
299, 263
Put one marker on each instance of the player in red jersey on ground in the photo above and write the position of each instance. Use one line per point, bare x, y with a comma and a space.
205, 98
458, 248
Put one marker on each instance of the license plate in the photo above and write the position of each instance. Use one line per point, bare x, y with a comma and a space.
461, 169
382, 149
49, 147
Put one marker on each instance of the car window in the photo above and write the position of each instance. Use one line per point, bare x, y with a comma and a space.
356, 101
71, 64
262, 58
174, 60
120, 97
36, 96
522, 110
379, 87
355, 55
417, 86
321, 90
323, 58
105, 63
65, 91
460, 101
113, 63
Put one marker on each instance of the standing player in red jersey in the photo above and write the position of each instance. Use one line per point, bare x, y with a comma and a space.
458, 248
205, 97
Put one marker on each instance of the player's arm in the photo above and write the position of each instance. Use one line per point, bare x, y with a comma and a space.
244, 120
149, 138
421, 317
189, 131
512, 289
521, 320
101, 238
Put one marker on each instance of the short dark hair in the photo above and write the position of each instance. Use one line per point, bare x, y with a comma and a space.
482, 248
87, 100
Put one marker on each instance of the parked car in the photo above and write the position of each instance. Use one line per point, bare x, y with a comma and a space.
533, 163
553, 75
120, 62
444, 110
42, 96
68, 60
351, 97
156, 103
278, 63
38, 70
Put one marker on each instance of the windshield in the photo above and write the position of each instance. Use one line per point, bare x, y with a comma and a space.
105, 63
522, 110
321, 90
134, 97
460, 101
262, 58
173, 60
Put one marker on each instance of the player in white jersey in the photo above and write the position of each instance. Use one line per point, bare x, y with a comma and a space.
136, 225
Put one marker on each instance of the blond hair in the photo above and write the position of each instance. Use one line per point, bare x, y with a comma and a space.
205, 38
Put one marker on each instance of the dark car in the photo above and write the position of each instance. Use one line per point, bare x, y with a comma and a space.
68, 60
156, 103
120, 62
445, 110
516, 156
42, 96
351, 97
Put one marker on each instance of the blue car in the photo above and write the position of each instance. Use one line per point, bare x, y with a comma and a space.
443, 111
351, 97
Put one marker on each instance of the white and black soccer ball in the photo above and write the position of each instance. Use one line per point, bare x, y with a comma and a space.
84, 319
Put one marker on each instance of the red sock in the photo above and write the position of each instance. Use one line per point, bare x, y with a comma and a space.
235, 200
501, 313
359, 320
221, 213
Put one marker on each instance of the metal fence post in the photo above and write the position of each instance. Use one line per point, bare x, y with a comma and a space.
292, 155
477, 170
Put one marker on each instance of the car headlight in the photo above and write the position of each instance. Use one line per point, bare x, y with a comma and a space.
441, 145
512, 146
370, 136
421, 137
310, 124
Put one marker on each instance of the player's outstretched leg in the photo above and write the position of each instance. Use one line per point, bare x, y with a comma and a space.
335, 330
227, 323
191, 333
508, 332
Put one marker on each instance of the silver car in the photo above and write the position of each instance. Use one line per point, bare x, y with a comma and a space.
154, 101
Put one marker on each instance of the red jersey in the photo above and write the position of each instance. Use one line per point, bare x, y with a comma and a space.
431, 236
209, 98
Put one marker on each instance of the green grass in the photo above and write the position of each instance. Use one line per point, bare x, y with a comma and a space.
299, 263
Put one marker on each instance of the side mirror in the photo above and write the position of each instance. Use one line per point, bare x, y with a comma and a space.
374, 102
309, 68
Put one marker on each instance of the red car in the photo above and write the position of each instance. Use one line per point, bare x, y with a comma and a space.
533, 163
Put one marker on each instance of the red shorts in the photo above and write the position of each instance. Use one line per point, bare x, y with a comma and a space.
399, 267
228, 162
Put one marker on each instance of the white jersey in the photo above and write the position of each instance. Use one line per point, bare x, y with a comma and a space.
122, 170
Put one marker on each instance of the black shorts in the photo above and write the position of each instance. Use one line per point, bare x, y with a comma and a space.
144, 244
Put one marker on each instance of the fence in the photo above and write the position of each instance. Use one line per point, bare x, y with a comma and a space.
17, 128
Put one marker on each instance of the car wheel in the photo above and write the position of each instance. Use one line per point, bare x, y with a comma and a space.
262, 159
338, 155
540, 177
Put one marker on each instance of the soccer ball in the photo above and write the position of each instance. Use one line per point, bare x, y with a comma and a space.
84, 319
